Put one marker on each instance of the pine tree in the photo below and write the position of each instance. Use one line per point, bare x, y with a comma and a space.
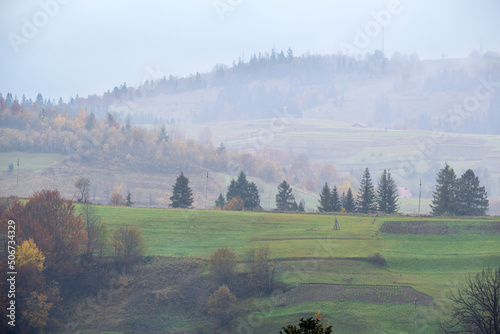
220, 202
335, 205
129, 200
232, 191
443, 201
162, 136
349, 203
252, 200
247, 191
301, 206
387, 193
472, 199
182, 195
242, 186
366, 197
284, 198
325, 199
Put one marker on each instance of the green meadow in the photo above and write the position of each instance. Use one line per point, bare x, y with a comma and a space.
307, 250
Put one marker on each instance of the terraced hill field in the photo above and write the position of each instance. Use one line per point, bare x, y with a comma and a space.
321, 269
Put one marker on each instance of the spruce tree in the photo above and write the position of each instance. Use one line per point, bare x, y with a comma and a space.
335, 205
129, 200
247, 191
349, 203
472, 199
231, 190
366, 197
444, 201
182, 195
284, 198
387, 193
220, 202
325, 199
162, 136
252, 200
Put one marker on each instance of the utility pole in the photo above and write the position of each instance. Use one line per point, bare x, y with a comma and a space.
415, 315
206, 193
17, 184
419, 196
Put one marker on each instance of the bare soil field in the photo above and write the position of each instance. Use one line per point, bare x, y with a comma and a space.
440, 228
358, 293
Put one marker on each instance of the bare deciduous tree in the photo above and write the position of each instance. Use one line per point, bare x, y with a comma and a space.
475, 305
96, 231
82, 184
129, 244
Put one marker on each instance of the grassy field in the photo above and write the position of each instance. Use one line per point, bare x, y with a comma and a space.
29, 162
308, 250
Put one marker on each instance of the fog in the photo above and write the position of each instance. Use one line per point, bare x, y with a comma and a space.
68, 48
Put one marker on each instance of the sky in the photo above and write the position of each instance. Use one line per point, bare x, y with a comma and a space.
62, 48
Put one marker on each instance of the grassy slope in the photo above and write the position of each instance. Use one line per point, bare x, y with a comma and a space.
310, 251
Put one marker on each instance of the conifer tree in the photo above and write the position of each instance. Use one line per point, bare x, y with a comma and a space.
366, 197
335, 205
443, 201
387, 193
472, 199
348, 201
220, 202
182, 195
252, 200
162, 136
129, 200
325, 199
231, 190
247, 191
284, 198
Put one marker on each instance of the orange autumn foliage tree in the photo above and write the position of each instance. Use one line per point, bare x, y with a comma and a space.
221, 303
235, 204
52, 223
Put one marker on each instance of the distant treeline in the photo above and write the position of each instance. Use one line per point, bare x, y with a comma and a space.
249, 89
119, 144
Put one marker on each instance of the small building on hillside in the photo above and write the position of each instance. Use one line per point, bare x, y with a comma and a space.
359, 125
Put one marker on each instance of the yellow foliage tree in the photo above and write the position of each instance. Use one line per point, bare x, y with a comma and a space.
29, 254
222, 263
35, 312
221, 302
235, 204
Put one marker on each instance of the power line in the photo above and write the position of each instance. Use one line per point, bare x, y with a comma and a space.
17, 183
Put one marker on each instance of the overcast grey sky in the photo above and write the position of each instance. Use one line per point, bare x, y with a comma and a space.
89, 46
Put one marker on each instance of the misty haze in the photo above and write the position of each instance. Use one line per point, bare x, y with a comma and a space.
249, 167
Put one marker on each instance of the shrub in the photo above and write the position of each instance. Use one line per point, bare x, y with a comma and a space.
222, 263
377, 259
221, 302
116, 200
129, 244
235, 204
